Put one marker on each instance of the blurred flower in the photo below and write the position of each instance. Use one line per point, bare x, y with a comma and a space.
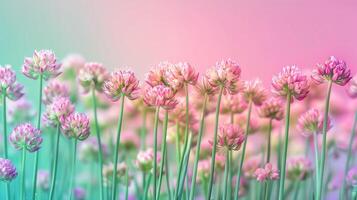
220, 161
8, 84
272, 109
311, 122
352, 176
43, 179
42, 63
336, 181
290, 81
79, 193
20, 111
254, 91
88, 150
181, 73
57, 111
352, 89
26, 136
121, 83
92, 76
332, 70
145, 160
54, 90
203, 87
250, 166
230, 137
76, 125
158, 75
160, 95
203, 170
178, 115
73, 61
129, 141
7, 170
243, 185
108, 171
233, 104
225, 74
267, 173
298, 169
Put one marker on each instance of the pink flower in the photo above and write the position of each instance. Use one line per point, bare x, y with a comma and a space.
76, 125
43, 179
73, 61
178, 114
311, 122
203, 170
108, 171
233, 104
54, 90
230, 137
250, 166
145, 160
160, 95
225, 74
121, 83
42, 63
92, 76
272, 109
290, 81
352, 89
158, 75
13, 90
267, 173
352, 176
203, 87
298, 169
58, 111
332, 70
26, 136
181, 73
254, 91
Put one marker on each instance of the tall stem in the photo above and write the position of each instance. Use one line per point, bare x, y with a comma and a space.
317, 162
5, 136
236, 192
120, 122
126, 185
155, 147
213, 159
324, 139
23, 190
74, 156
143, 131
285, 152
297, 189
100, 150
269, 140
54, 169
167, 176
226, 174
163, 151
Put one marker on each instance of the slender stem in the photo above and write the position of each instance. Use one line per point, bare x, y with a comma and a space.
324, 141
269, 140
167, 175
213, 159
354, 192
146, 188
100, 150
5, 136
23, 187
297, 189
163, 151
266, 190
155, 148
236, 192
54, 169
285, 152
178, 148
74, 156
317, 162
143, 131
126, 185
120, 122
186, 157
198, 148
348, 157
226, 174
205, 188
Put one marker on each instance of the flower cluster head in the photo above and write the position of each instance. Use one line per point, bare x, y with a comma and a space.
250, 166
180, 74
254, 91
26, 136
298, 169
292, 82
145, 160
108, 171
20, 111
160, 95
332, 70
230, 137
272, 109
121, 83
233, 104
158, 75
204, 88
76, 125
352, 176
7, 170
57, 112
311, 122
8, 84
203, 170
79, 193
225, 74
43, 179
54, 90
178, 115
43, 64
352, 89
92, 76
267, 173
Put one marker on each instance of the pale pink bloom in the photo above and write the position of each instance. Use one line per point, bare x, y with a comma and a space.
230, 137
203, 87
58, 111
180, 74
255, 92
254, 126
352, 89
13, 90
298, 169
121, 83
160, 96
250, 166
145, 160
352, 176
76, 125
42, 63
267, 173
203, 170
54, 90
290, 81
79, 193
332, 70
233, 104
225, 74
73, 61
272, 109
311, 122
92, 76
25, 136
158, 75
108, 171
206, 149
178, 114
43, 179
129, 141
20, 111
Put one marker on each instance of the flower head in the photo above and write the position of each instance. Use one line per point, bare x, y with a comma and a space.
92, 76
290, 81
352, 176
250, 166
298, 169
254, 91
158, 75
76, 125
181, 73
203, 170
233, 104
79, 193
352, 89
145, 160
7, 170
57, 111
42, 63
54, 90
108, 171
20, 111
267, 173
230, 137
272, 109
26, 136
8, 84
332, 70
121, 83
203, 87
311, 122
43, 179
160, 95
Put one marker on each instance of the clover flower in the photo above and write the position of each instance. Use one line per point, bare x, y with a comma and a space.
230, 137
233, 104
76, 125
298, 169
250, 166
145, 160
43, 179
8, 84
352, 176
203, 87
158, 75
272, 109
267, 173
108, 171
180, 74
26, 136
290, 81
254, 91
92, 76
311, 122
54, 90
352, 89
332, 70
7, 170
42, 63
57, 111
178, 114
20, 111
121, 83
160, 95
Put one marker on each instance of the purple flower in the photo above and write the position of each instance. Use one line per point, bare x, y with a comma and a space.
7, 170
42, 63
54, 90
352, 176
121, 82
79, 193
43, 179
26, 136
57, 111
76, 125
92, 76
13, 90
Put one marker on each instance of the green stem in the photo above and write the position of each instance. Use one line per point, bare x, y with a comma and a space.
236, 192
178, 148
324, 141
143, 131
146, 188
213, 159
205, 188
163, 152
23, 187
297, 189
226, 174
186, 158
269, 140
155, 147
266, 190
5, 136
74, 156
167, 176
317, 162
285, 152
100, 151
54, 170
348, 158
120, 122
126, 185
